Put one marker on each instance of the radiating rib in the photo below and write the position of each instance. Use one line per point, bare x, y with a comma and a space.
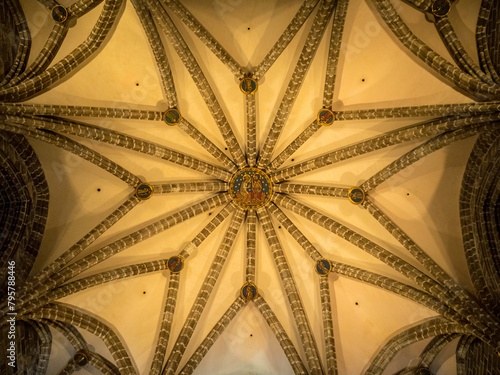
334, 51
308, 247
78, 111
75, 148
166, 324
326, 309
291, 292
81, 245
473, 86
190, 187
71, 334
280, 333
204, 294
251, 130
207, 230
199, 79
458, 52
399, 288
29, 88
429, 353
425, 282
122, 140
483, 48
212, 337
46, 55
409, 133
109, 337
102, 364
308, 51
421, 151
465, 109
208, 40
23, 33
43, 353
207, 144
81, 7
332, 191
430, 328
302, 138
92, 281
251, 228
166, 79
127, 241
291, 30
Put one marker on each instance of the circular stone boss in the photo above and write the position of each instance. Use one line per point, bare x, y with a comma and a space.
250, 188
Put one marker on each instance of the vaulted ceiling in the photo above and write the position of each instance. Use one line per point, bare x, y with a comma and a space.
250, 187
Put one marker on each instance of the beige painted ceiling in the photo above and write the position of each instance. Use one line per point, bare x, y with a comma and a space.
375, 71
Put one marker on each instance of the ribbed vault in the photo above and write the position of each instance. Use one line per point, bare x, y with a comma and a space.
221, 215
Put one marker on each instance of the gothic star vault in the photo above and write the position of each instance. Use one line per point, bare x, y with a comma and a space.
251, 187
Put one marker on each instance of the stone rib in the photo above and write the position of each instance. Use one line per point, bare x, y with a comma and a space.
458, 52
106, 334
331, 191
44, 349
326, 309
464, 109
46, 55
483, 47
75, 148
302, 240
31, 87
23, 50
123, 243
434, 348
308, 51
334, 51
81, 7
251, 228
425, 282
420, 152
250, 112
166, 324
161, 59
102, 364
356, 239
71, 334
212, 337
280, 333
82, 244
122, 140
190, 187
207, 230
199, 79
78, 111
398, 288
291, 291
92, 281
473, 86
203, 295
302, 138
480, 188
204, 35
207, 144
291, 30
430, 328
406, 134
